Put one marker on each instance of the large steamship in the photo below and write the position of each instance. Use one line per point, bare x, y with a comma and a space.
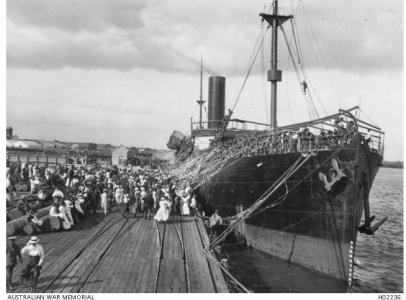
314, 217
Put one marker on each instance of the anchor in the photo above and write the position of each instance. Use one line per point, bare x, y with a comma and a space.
335, 174
368, 229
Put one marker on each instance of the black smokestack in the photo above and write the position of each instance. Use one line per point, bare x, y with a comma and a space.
217, 91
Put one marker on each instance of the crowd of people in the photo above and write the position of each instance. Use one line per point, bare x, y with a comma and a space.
300, 140
73, 193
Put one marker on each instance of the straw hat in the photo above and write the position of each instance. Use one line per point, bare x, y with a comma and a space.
33, 240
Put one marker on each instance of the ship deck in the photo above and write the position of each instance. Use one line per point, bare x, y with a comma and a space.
113, 254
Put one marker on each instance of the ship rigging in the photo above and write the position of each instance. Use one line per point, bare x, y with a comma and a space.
317, 173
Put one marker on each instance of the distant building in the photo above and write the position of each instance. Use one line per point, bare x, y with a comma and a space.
9, 132
83, 146
9, 144
29, 151
24, 144
119, 156
53, 145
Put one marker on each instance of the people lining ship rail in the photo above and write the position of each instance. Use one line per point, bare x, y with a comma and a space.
368, 137
299, 140
13, 256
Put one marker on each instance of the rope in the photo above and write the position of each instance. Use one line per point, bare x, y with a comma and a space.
204, 106
298, 49
287, 89
301, 62
264, 86
250, 211
210, 255
367, 117
237, 46
277, 202
314, 109
323, 60
249, 70
245, 214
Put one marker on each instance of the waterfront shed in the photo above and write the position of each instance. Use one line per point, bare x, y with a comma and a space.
119, 156
27, 144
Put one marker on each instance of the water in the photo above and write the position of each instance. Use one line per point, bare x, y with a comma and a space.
380, 256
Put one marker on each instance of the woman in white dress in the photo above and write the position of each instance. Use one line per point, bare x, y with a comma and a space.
193, 204
185, 203
69, 206
62, 214
119, 194
162, 214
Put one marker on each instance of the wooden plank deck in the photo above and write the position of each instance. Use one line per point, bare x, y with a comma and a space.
117, 255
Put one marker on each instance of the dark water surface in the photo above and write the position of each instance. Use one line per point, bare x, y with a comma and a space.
380, 256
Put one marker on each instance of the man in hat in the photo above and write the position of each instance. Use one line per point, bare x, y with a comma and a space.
33, 265
12, 254
42, 196
58, 192
148, 205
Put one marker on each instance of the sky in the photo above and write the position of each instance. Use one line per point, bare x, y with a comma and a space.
127, 71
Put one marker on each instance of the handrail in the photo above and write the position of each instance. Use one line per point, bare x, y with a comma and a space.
375, 134
308, 123
239, 121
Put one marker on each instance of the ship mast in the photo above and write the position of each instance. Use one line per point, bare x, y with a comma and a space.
201, 101
274, 75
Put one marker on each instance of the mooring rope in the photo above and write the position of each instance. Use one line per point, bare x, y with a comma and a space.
249, 211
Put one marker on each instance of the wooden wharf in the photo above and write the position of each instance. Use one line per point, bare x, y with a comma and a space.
114, 254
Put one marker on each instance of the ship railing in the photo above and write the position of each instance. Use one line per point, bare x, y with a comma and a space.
343, 129
374, 140
233, 125
327, 133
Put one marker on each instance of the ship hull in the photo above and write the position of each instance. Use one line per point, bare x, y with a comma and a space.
313, 225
